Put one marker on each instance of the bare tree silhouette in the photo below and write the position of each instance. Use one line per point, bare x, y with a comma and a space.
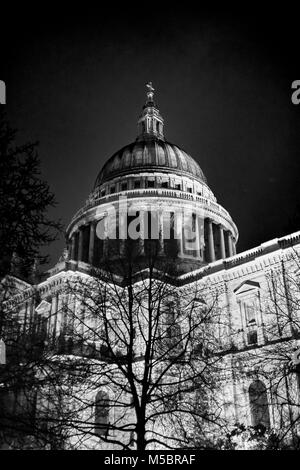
156, 350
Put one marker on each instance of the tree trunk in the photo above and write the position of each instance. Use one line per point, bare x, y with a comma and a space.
141, 442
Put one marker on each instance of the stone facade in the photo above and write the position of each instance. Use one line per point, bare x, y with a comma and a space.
257, 333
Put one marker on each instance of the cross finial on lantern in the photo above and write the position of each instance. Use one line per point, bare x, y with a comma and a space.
150, 123
150, 91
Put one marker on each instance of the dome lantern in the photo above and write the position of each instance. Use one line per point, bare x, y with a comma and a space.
150, 123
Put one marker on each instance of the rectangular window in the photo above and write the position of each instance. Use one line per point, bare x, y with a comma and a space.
124, 187
112, 189
194, 223
164, 184
252, 337
150, 184
178, 187
137, 184
250, 314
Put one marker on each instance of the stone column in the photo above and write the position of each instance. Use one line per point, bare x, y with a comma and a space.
197, 235
123, 232
243, 334
80, 244
161, 248
229, 241
92, 242
211, 245
222, 242
105, 241
53, 315
73, 246
201, 224
59, 314
142, 232
259, 320
181, 230
233, 247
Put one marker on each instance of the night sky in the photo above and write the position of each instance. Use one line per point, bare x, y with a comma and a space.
76, 83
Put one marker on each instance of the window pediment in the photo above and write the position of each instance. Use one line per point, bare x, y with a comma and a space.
246, 287
43, 308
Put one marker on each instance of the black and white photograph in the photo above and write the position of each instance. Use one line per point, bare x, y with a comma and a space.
149, 230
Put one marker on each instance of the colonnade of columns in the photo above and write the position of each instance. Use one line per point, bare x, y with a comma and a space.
218, 242
84, 243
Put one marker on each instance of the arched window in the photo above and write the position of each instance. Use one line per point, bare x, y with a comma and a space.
259, 404
101, 413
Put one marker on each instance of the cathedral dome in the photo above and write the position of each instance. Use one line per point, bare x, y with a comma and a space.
150, 154
158, 188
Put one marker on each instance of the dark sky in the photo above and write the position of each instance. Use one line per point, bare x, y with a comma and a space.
76, 82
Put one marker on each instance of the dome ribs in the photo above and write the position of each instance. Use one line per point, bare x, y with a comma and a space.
149, 154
